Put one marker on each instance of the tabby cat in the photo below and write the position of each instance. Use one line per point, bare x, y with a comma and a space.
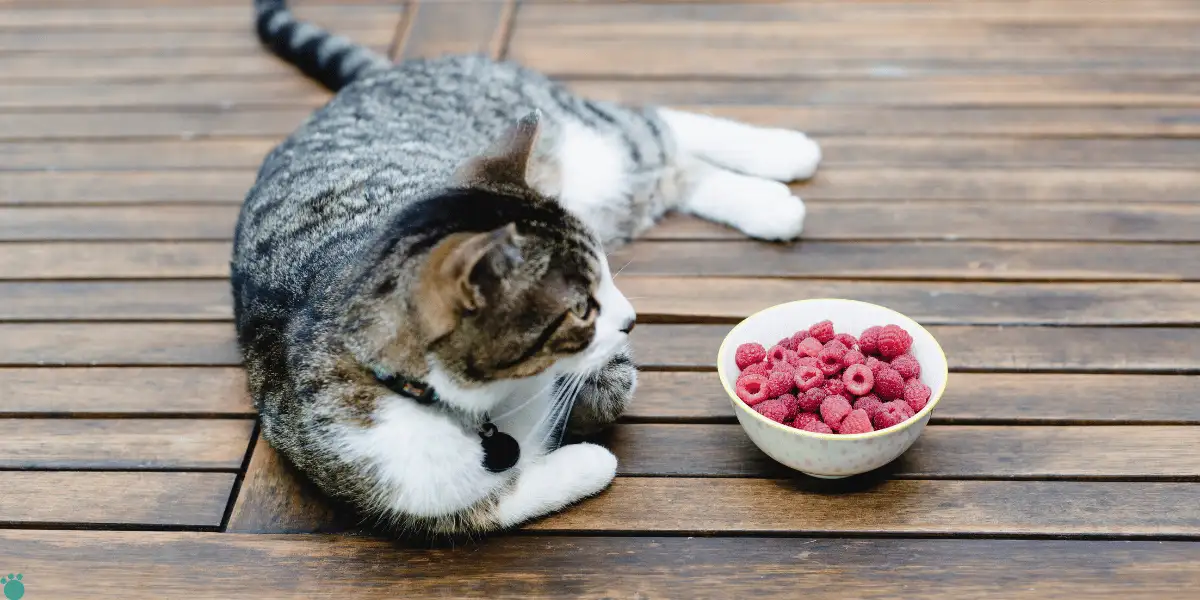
421, 289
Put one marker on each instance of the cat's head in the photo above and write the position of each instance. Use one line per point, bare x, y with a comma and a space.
511, 284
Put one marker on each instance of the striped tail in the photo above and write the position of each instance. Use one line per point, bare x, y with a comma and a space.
331, 59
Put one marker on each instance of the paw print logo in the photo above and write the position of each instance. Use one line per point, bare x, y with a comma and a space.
12, 586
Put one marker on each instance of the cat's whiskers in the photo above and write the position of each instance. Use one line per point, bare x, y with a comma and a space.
629, 262
558, 399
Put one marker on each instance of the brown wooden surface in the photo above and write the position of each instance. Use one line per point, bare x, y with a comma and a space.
173, 564
1018, 176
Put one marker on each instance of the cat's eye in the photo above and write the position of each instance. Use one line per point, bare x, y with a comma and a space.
587, 309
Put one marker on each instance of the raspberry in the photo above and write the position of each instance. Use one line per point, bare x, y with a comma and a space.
811, 400
889, 385
808, 378
858, 380
752, 389
834, 385
907, 366
782, 367
830, 358
916, 394
805, 419
748, 354
778, 354
869, 403
809, 347
779, 383
773, 410
853, 357
891, 414
868, 340
893, 341
788, 343
817, 427
791, 403
799, 336
856, 422
873, 364
755, 369
806, 361
823, 331
834, 409
846, 339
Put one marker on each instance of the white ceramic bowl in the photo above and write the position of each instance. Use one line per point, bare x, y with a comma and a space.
826, 455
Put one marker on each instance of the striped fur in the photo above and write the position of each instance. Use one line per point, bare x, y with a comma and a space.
331, 59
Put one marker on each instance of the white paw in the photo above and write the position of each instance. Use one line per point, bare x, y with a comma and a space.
782, 222
785, 155
584, 469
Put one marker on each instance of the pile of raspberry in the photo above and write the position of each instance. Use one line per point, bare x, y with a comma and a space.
826, 382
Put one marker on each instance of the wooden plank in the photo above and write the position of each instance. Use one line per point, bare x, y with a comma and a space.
275, 498
1007, 185
205, 300
703, 300
292, 91
1011, 508
122, 65
977, 261
441, 28
99, 391
921, 260
114, 260
182, 124
62, 564
946, 452
997, 121
226, 45
245, 153
209, 222
114, 498
677, 300
118, 344
81, 187
126, 444
982, 398
1172, 222
1090, 349
972, 221
194, 18
957, 91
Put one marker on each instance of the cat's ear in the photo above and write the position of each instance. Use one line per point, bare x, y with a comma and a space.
507, 160
478, 263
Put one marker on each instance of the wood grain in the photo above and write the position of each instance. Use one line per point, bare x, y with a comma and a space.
946, 451
1000, 121
949, 91
984, 261
1000, 348
971, 221
442, 28
210, 222
202, 300
142, 344
125, 391
135, 124
83, 187
981, 398
182, 19
901, 221
896, 507
275, 498
95, 563
216, 94
114, 498
724, 300
112, 260
124, 444
246, 153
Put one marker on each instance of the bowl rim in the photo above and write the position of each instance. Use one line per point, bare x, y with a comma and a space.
905, 319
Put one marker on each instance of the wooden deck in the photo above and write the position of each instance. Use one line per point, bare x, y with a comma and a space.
1022, 176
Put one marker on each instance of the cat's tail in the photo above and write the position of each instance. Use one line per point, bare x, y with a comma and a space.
331, 59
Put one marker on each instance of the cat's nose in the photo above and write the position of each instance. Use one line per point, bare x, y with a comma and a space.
628, 327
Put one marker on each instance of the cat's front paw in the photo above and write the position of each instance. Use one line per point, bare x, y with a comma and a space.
786, 155
772, 213
584, 469
604, 396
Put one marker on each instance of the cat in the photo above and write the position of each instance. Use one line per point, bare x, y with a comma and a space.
422, 295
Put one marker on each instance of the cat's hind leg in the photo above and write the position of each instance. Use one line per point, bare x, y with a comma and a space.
761, 208
768, 153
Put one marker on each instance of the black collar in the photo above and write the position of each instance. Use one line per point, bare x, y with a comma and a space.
500, 450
